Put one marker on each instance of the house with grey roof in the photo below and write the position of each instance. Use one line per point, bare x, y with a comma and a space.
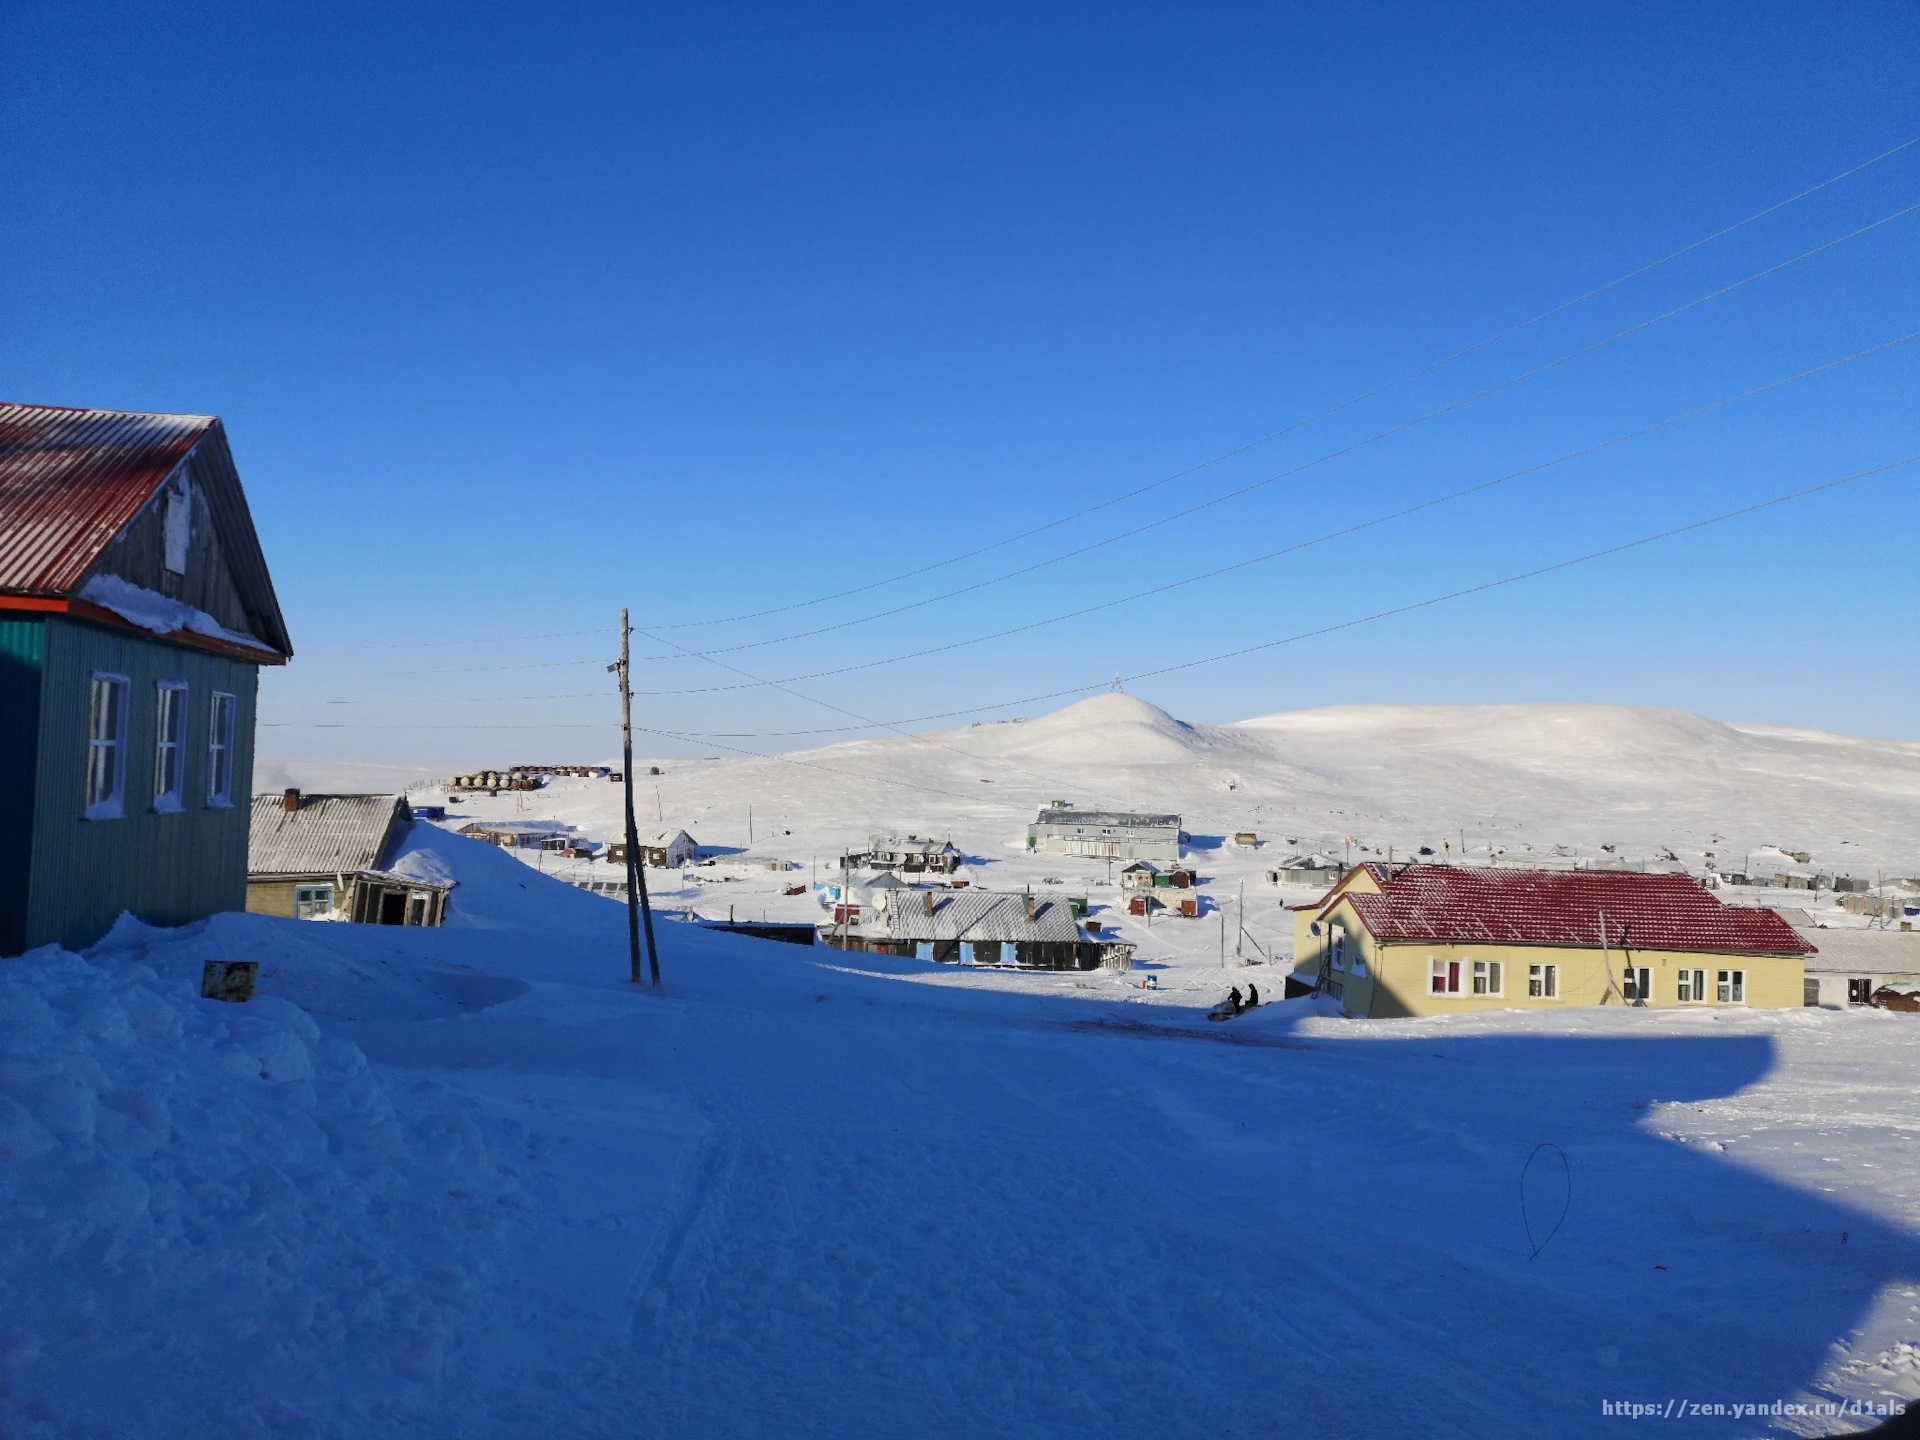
1851, 966
1060, 829
332, 857
983, 927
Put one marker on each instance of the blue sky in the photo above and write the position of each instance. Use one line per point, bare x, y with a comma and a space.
517, 315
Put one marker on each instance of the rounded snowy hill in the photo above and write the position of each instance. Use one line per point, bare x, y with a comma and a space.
1498, 778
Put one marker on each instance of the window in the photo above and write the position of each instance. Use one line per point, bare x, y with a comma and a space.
1543, 982
1859, 991
220, 751
1486, 977
1636, 984
1337, 944
1693, 987
169, 736
312, 902
1444, 976
1733, 987
106, 747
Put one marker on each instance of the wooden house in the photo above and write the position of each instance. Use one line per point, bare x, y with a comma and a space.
912, 855
135, 613
331, 857
662, 850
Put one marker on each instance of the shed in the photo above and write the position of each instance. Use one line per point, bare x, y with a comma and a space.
135, 613
331, 857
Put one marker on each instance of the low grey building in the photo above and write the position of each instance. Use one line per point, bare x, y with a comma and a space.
1850, 965
982, 927
1105, 834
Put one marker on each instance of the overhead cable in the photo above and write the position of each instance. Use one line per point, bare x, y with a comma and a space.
1328, 412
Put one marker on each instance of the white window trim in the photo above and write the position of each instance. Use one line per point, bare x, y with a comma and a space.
173, 801
1495, 974
1465, 975
1741, 999
1697, 982
1547, 976
113, 806
220, 754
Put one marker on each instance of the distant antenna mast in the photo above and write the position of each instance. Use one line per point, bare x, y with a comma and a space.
1116, 680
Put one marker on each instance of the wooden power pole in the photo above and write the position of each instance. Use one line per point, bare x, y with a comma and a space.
638, 910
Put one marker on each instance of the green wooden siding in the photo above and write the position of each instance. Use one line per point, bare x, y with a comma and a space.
23, 648
166, 868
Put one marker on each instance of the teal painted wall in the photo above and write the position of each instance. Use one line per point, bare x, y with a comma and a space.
23, 646
166, 869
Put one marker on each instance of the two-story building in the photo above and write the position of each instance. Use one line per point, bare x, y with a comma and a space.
1105, 834
135, 613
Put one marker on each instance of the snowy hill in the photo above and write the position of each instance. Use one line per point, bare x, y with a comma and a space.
1579, 782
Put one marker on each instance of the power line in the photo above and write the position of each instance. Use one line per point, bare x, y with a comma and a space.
1324, 538
1335, 628
1327, 413
1306, 465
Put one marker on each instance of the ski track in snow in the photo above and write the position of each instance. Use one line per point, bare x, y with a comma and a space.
465, 1182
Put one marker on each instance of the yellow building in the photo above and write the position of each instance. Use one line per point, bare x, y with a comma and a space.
1439, 939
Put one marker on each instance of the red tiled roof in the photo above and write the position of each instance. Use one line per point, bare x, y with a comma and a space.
1448, 903
70, 480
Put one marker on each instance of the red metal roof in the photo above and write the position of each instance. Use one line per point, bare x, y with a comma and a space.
70, 480
1448, 903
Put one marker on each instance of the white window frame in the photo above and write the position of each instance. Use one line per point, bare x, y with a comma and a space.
1543, 982
174, 750
1691, 987
1337, 945
1730, 987
307, 901
1443, 976
1489, 978
110, 805
220, 749
1636, 984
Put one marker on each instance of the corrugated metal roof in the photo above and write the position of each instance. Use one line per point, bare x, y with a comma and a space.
1051, 816
1445, 903
327, 835
70, 480
982, 915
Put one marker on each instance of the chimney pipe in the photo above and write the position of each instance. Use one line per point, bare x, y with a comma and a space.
292, 802
1029, 905
927, 897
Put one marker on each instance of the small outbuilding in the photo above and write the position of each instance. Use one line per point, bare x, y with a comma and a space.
329, 857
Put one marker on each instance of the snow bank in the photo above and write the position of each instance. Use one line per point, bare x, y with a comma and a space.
197, 1198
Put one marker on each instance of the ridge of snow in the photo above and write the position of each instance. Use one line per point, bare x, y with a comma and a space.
153, 611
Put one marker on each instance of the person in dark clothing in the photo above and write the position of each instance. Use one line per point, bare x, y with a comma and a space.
1253, 995
1235, 998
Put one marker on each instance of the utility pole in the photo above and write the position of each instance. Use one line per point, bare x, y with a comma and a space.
638, 910
1240, 923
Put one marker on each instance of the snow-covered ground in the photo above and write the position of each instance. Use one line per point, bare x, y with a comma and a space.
1581, 781
466, 1182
